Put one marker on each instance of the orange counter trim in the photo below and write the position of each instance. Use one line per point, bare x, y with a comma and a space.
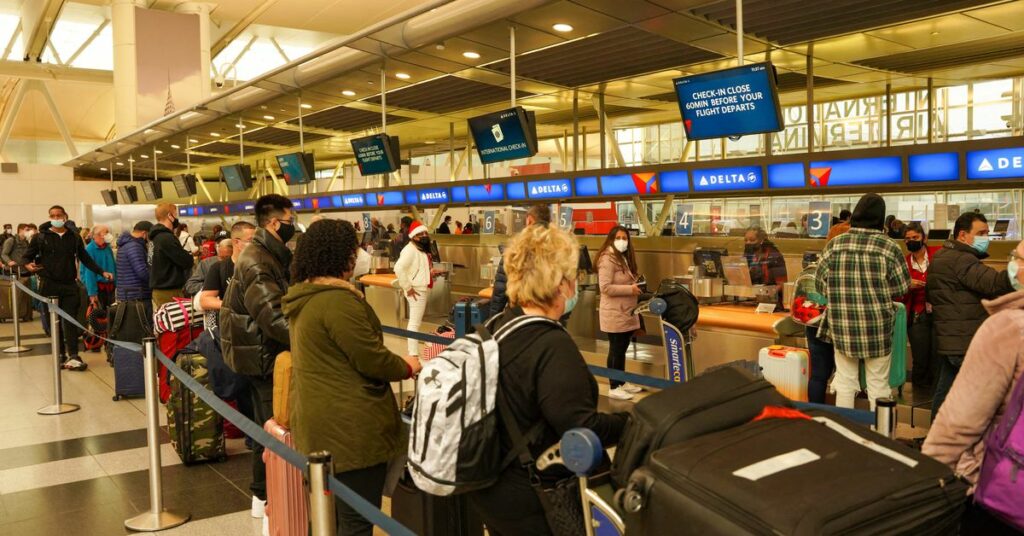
378, 280
486, 293
737, 317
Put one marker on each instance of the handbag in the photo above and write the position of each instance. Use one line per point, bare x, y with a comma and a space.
563, 506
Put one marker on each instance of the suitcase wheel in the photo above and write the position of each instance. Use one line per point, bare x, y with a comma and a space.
117, 398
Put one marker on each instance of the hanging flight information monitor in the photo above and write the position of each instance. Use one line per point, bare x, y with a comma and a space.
505, 135
734, 102
377, 154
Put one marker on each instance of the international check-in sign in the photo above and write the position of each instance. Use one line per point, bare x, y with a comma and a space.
819, 219
684, 220
488, 222
366, 221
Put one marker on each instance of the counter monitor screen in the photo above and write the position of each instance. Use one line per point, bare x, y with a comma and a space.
506, 135
238, 177
1001, 227
128, 194
152, 190
938, 234
733, 102
184, 185
377, 154
709, 260
297, 168
109, 197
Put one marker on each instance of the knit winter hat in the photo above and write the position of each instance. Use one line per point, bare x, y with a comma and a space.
869, 213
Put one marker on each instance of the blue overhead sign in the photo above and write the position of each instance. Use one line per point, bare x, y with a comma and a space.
673, 182
458, 194
787, 175
996, 164
934, 167
856, 172
734, 102
411, 197
630, 184
433, 196
515, 191
726, 179
352, 200
549, 189
384, 199
586, 187
485, 193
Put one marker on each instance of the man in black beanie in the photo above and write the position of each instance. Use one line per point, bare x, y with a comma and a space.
860, 273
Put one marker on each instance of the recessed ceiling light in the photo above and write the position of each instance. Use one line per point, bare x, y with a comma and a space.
158, 151
131, 160
306, 106
429, 142
239, 125
175, 146
193, 140
402, 76
120, 163
148, 131
268, 117
145, 156
562, 27
215, 134
471, 55
348, 93
935, 33
103, 169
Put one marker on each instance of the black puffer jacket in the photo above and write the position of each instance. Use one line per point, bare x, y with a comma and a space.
499, 298
253, 327
957, 282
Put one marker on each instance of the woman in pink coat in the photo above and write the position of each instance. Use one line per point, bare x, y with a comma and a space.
617, 277
992, 367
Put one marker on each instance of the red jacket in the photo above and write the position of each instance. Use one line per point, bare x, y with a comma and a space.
915, 299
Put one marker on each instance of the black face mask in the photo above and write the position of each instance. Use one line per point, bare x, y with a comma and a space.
423, 244
175, 223
286, 232
751, 249
914, 246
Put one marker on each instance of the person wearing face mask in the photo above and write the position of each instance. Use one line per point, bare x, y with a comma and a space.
542, 376
14, 249
253, 328
919, 317
538, 214
957, 283
100, 289
217, 278
416, 273
980, 395
7, 235
170, 263
767, 265
52, 256
617, 280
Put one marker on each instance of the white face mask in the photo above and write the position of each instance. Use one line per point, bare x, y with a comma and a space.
109, 238
621, 245
29, 234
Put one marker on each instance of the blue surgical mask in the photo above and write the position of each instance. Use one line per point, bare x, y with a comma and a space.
570, 302
57, 223
980, 244
1011, 270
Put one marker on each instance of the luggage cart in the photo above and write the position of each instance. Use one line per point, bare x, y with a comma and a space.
674, 301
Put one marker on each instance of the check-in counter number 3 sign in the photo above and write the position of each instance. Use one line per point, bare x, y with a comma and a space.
819, 219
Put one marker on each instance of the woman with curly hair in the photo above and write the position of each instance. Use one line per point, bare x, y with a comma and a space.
341, 395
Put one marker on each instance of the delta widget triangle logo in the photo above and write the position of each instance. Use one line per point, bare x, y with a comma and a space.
985, 165
487, 188
687, 123
820, 176
380, 199
645, 183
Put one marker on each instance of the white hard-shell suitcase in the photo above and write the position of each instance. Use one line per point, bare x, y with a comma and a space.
787, 368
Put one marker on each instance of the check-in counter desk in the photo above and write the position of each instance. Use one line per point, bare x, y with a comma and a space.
730, 332
389, 304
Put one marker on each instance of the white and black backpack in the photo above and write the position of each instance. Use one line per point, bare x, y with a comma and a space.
453, 442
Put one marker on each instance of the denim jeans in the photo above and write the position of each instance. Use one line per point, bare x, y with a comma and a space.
823, 364
947, 374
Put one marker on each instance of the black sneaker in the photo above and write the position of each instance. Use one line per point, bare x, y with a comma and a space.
74, 363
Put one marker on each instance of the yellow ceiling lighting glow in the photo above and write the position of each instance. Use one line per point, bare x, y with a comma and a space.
562, 27
120, 163
174, 146
158, 151
268, 117
191, 140
306, 106
215, 134
402, 76
471, 55
144, 156
348, 93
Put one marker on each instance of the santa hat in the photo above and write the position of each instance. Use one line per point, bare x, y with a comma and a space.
416, 228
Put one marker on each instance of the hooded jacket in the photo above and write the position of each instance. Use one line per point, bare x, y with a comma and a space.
253, 327
104, 257
341, 398
171, 263
132, 269
56, 254
993, 365
957, 282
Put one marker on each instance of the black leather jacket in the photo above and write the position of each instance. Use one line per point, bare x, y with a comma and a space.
253, 328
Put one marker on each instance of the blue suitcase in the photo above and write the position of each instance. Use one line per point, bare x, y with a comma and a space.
469, 313
129, 378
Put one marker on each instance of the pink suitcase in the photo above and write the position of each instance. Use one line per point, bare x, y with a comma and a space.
287, 504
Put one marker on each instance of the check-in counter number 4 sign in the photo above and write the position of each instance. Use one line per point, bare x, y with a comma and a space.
684, 220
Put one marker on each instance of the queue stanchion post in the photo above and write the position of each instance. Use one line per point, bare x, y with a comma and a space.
17, 348
157, 518
59, 406
321, 500
885, 417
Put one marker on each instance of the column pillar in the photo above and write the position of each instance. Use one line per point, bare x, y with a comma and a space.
202, 9
126, 78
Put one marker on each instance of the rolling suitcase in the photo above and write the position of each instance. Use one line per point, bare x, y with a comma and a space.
787, 368
708, 403
129, 378
287, 504
24, 303
196, 430
430, 515
795, 474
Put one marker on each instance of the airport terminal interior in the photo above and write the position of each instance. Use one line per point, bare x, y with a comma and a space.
767, 252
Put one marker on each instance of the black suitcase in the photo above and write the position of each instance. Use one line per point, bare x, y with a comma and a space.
793, 476
708, 403
429, 515
129, 375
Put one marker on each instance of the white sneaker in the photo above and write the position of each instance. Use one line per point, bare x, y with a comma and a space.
266, 526
259, 508
619, 394
631, 388
75, 364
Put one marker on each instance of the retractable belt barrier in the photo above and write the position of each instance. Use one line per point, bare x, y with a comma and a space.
300, 462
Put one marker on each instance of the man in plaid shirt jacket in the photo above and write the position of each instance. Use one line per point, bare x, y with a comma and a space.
860, 273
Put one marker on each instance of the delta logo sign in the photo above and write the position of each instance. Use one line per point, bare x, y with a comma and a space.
380, 200
719, 179
820, 176
996, 164
632, 184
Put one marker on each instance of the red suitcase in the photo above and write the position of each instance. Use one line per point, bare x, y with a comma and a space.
287, 505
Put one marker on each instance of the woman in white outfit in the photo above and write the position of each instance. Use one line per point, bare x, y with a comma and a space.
415, 277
